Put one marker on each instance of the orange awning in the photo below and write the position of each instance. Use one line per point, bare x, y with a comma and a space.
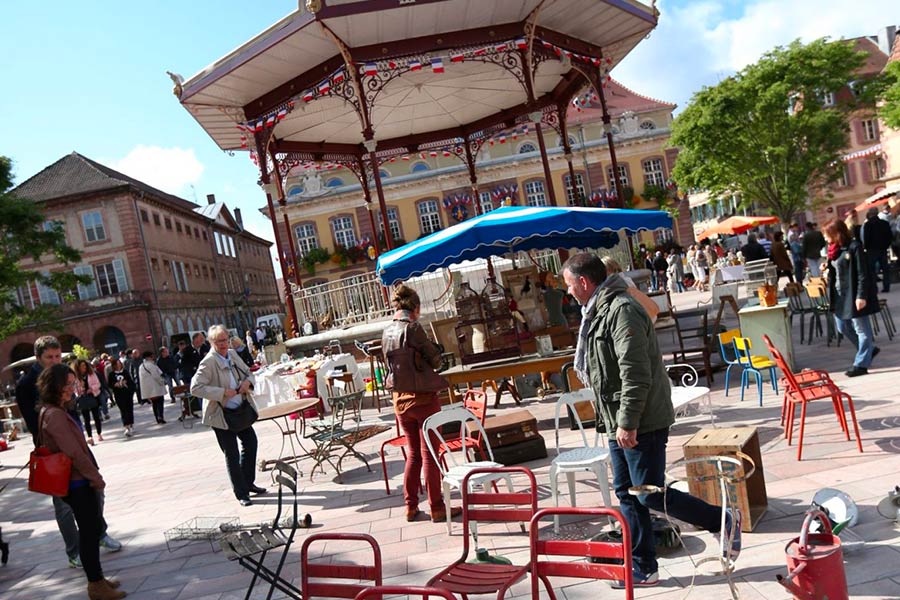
877, 199
735, 225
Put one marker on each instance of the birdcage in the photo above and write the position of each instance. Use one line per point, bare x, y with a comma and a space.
468, 305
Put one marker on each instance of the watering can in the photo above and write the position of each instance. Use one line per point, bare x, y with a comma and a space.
815, 562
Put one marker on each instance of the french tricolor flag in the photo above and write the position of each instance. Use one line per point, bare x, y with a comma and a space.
259, 126
521, 44
270, 121
457, 57
325, 87
281, 114
308, 95
405, 157
433, 154
339, 76
415, 65
371, 69
392, 64
502, 139
446, 153
437, 65
501, 47
480, 52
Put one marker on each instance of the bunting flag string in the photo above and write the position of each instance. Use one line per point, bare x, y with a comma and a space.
506, 195
602, 198
437, 63
458, 205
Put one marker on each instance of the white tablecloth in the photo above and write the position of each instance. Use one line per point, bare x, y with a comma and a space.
735, 273
273, 387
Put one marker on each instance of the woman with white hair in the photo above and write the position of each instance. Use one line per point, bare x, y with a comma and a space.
225, 382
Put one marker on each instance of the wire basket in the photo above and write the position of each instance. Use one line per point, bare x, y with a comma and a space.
200, 529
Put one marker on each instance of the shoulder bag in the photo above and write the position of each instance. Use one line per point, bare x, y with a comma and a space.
48, 472
87, 401
244, 416
410, 372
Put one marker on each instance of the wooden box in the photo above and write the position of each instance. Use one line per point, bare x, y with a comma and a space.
750, 495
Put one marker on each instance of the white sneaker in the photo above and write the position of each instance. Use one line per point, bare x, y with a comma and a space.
110, 543
128, 432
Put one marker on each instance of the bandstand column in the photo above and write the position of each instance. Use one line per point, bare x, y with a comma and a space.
562, 117
551, 192
473, 177
370, 145
367, 195
289, 299
607, 129
282, 201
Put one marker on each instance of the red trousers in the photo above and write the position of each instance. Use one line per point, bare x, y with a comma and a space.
411, 421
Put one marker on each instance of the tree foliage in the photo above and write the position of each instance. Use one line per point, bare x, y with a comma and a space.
890, 109
765, 132
24, 238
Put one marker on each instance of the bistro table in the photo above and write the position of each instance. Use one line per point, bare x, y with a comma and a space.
510, 367
280, 415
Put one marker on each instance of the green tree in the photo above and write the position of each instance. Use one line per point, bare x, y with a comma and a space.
23, 237
765, 132
890, 110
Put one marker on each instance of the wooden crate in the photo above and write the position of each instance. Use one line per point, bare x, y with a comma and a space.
750, 495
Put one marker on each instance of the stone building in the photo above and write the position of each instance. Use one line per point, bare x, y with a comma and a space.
161, 265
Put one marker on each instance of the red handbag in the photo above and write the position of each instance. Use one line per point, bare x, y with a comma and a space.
48, 472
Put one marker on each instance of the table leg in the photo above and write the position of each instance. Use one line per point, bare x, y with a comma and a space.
288, 431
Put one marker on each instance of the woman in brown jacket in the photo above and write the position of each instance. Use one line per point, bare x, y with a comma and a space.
781, 258
59, 431
414, 406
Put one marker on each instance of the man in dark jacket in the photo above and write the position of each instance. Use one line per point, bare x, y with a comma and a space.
618, 356
753, 250
811, 248
876, 238
133, 365
48, 352
188, 361
169, 367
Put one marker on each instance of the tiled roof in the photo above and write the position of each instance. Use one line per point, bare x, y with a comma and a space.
75, 174
875, 58
895, 54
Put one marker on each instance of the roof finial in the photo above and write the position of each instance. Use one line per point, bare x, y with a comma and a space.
178, 80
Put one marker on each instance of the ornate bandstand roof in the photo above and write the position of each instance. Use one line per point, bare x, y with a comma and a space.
408, 73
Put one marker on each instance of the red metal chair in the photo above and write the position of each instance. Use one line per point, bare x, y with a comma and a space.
330, 572
544, 569
807, 390
395, 442
486, 578
380, 591
475, 401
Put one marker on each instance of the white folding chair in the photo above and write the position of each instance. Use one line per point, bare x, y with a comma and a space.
457, 464
585, 458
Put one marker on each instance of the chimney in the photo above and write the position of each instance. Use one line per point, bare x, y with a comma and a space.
210, 198
238, 218
886, 39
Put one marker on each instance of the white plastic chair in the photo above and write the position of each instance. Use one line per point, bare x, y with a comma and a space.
452, 471
594, 458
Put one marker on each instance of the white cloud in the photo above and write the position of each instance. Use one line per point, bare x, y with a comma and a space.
698, 44
172, 170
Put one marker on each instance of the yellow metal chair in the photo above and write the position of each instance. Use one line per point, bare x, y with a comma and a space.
753, 364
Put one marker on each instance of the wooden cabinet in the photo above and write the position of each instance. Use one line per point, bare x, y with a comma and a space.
750, 495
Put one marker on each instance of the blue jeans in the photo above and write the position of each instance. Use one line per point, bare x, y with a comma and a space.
879, 262
646, 464
859, 333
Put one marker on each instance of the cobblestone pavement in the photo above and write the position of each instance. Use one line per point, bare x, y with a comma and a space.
167, 475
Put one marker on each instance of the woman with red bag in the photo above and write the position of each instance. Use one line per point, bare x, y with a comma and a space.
60, 432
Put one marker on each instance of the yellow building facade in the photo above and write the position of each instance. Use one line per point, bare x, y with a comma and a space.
428, 191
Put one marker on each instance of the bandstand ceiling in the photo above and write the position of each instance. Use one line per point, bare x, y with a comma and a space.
304, 48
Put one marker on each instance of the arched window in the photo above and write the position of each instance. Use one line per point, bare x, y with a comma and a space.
648, 125
384, 173
527, 147
295, 190
419, 167
571, 139
334, 182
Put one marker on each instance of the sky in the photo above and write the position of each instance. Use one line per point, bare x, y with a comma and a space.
90, 76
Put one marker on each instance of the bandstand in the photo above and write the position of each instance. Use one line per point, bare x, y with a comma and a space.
360, 83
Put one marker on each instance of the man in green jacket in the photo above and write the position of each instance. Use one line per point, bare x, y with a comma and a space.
618, 356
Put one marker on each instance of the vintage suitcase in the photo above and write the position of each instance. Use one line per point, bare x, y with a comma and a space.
510, 428
515, 454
